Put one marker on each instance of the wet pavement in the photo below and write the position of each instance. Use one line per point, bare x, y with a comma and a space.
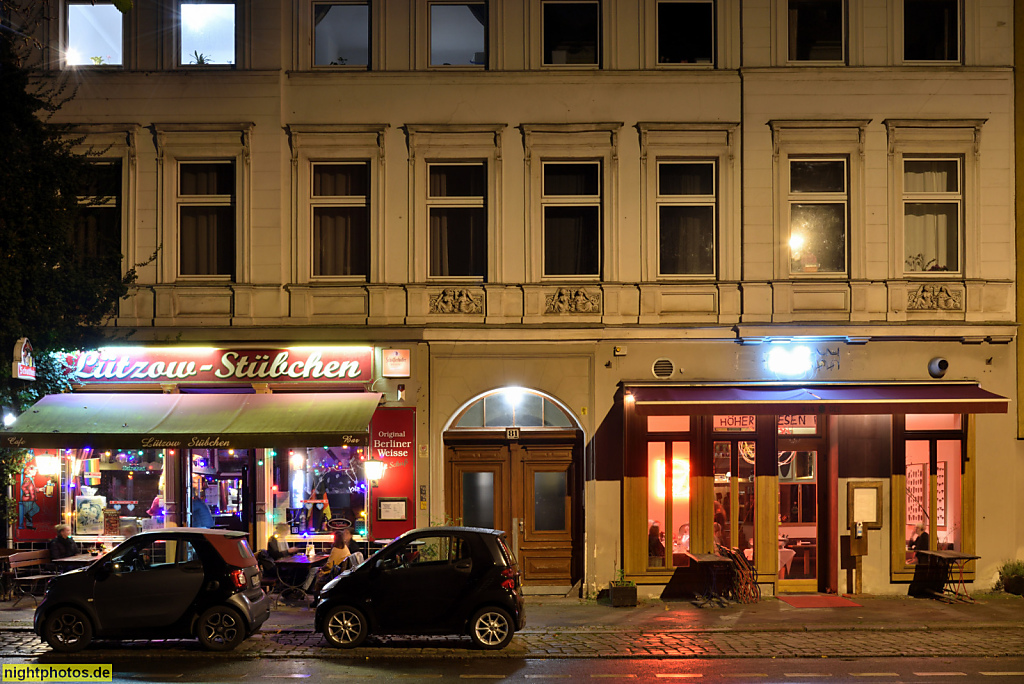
575, 628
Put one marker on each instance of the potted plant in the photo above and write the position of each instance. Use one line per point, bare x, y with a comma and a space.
1011, 577
621, 591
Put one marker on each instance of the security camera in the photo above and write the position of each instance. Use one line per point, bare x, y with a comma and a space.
937, 367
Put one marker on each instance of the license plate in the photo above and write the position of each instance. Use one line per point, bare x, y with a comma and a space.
254, 581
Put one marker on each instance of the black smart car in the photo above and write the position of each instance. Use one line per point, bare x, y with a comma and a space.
437, 580
177, 582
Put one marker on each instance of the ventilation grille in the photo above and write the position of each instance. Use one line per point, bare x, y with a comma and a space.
663, 368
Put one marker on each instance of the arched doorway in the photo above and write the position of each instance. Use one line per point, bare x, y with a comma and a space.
513, 461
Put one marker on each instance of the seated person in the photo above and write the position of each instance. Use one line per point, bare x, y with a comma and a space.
920, 542
63, 546
277, 547
655, 546
339, 552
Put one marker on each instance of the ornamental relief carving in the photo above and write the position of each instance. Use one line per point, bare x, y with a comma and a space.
453, 301
935, 298
566, 300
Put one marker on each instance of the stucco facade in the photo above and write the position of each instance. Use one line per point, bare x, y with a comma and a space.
748, 115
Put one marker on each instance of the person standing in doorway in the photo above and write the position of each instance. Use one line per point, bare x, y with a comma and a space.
201, 516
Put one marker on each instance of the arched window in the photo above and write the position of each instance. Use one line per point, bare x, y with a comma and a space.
513, 407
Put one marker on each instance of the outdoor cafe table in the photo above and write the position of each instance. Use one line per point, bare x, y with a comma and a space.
292, 571
78, 561
951, 563
712, 565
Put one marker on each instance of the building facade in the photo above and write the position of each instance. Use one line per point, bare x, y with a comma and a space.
671, 272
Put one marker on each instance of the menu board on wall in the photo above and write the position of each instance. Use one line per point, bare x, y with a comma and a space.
111, 522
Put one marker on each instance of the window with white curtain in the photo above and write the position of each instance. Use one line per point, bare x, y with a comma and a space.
206, 218
686, 218
456, 195
571, 202
341, 219
932, 200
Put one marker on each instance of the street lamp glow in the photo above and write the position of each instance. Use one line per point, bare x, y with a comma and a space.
9, 419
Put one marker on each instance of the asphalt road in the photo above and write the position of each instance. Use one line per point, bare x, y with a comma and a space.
937, 669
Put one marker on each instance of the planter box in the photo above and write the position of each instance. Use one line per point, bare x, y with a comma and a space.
622, 596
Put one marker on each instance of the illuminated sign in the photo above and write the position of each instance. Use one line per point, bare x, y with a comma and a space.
395, 363
24, 366
735, 424
190, 365
798, 425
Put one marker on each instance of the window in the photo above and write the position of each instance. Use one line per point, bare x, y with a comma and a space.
817, 215
686, 32
206, 215
458, 220
207, 33
931, 214
686, 218
458, 34
668, 501
931, 30
95, 35
571, 33
341, 34
98, 231
571, 199
816, 31
341, 220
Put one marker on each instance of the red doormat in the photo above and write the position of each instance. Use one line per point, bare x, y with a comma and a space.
818, 601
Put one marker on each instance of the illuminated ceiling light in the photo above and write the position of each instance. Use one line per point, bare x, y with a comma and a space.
513, 395
296, 461
796, 242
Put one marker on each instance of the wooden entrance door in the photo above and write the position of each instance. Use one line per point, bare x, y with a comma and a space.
526, 488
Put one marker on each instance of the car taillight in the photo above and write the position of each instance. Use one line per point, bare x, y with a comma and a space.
238, 577
509, 581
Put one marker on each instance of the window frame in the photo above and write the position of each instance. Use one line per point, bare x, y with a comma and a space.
687, 200
654, 30
197, 143
818, 198
935, 197
334, 143
538, 35
181, 201
455, 202
242, 60
783, 38
567, 143
333, 201
938, 139
899, 30
453, 144
580, 200
899, 571
820, 139
110, 142
370, 23
65, 38
425, 34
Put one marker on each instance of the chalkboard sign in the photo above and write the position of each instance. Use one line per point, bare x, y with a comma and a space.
111, 522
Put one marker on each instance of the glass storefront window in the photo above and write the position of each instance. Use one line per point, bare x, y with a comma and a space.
118, 492
934, 421
668, 500
668, 424
919, 484
319, 484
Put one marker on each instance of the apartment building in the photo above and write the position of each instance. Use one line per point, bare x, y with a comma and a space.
655, 274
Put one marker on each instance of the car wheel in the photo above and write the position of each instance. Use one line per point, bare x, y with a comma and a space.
67, 630
345, 627
221, 629
491, 628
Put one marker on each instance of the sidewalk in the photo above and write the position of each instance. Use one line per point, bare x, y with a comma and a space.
566, 628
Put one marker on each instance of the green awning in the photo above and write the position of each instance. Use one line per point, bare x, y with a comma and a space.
194, 421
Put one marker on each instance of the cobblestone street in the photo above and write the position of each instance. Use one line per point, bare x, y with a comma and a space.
595, 643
